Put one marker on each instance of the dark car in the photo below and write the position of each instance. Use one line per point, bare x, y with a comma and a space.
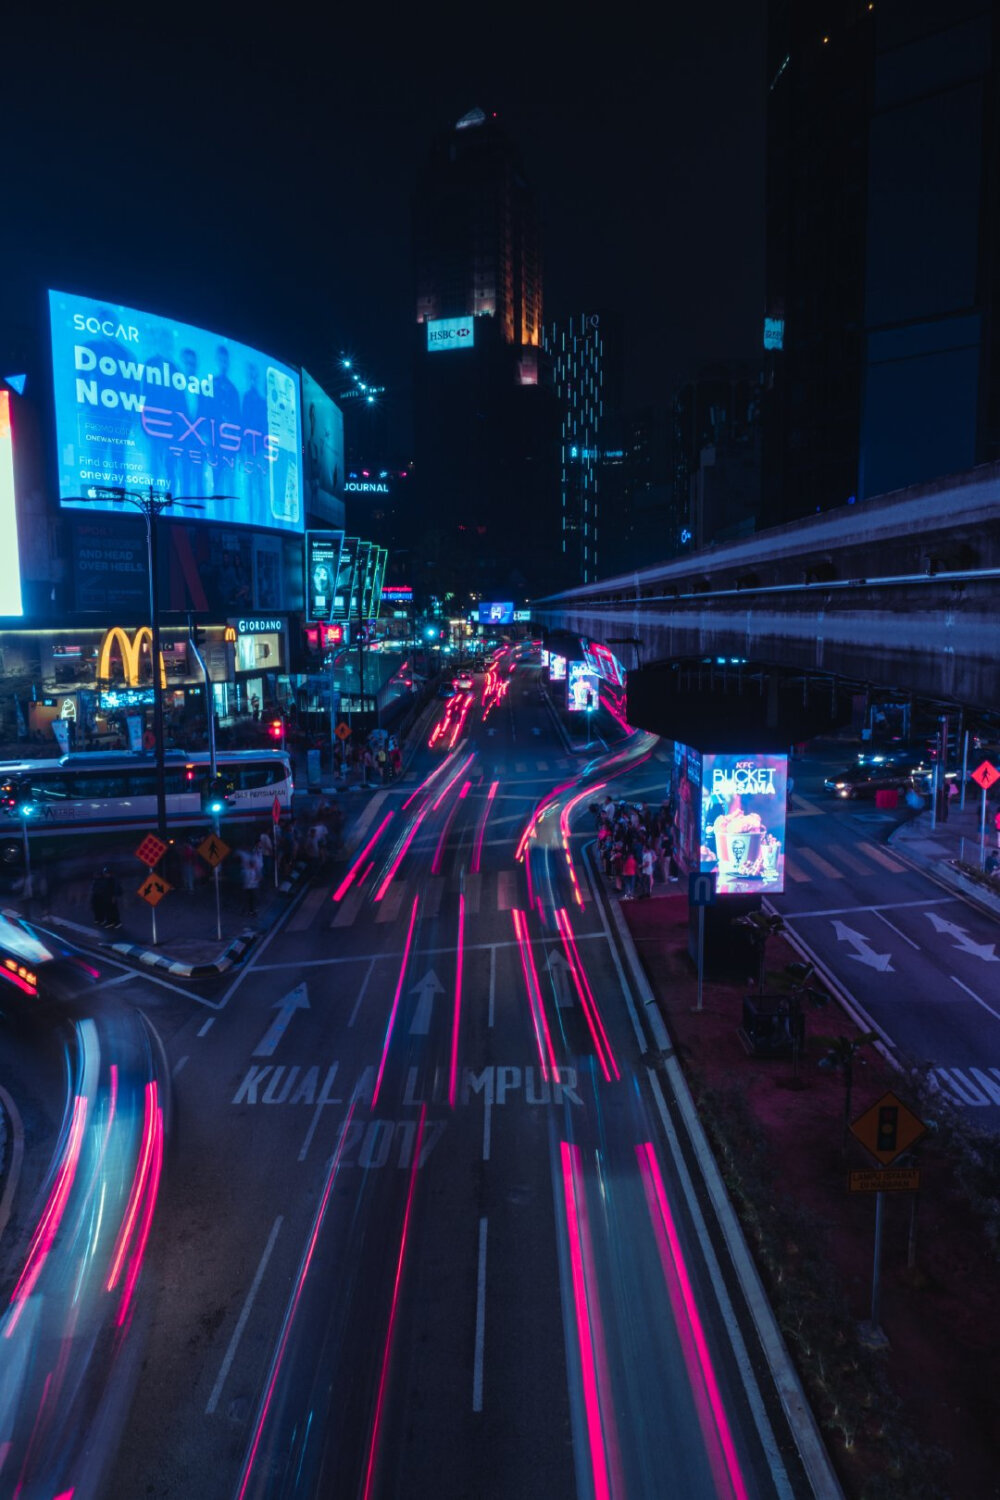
877, 775
446, 690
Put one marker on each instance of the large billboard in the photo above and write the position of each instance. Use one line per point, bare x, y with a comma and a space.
497, 614
10, 560
450, 333
582, 688
381, 560
345, 579
323, 549
322, 451
743, 821
144, 401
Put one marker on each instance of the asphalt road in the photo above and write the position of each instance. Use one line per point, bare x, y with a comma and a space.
921, 963
422, 1229
429, 1222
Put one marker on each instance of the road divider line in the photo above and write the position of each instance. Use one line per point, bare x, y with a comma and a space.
395, 1002
477, 1363
207, 1026
241, 1322
493, 987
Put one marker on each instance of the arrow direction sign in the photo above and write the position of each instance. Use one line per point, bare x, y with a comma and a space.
296, 999
428, 987
862, 952
963, 942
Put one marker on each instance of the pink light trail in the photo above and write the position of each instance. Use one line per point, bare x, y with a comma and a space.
348, 879
704, 1385
48, 1225
395, 1001
387, 1351
584, 1332
588, 1004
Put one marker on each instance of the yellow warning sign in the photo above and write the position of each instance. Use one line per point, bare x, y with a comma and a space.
212, 850
888, 1129
154, 888
343, 731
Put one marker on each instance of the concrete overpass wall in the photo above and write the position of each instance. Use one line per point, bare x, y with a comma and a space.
902, 593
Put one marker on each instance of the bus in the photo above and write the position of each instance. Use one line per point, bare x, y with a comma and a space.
104, 791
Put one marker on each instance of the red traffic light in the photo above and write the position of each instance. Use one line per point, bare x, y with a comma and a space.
276, 729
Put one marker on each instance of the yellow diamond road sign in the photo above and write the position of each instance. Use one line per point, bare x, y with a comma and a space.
154, 888
888, 1129
342, 731
212, 850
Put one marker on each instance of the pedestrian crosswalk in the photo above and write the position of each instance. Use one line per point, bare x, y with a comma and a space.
501, 890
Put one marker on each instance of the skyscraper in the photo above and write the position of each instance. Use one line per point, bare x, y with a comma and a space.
883, 248
584, 357
484, 422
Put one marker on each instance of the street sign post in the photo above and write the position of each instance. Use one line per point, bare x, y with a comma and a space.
701, 893
887, 1130
151, 850
213, 851
152, 891
984, 775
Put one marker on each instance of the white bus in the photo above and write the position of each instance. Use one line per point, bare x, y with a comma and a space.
106, 790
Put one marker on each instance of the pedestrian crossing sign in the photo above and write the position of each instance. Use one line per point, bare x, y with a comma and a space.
213, 850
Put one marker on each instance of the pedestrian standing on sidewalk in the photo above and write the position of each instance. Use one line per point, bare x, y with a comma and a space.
99, 899
629, 870
251, 867
648, 867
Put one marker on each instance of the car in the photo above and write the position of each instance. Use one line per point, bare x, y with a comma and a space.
446, 690
869, 777
464, 682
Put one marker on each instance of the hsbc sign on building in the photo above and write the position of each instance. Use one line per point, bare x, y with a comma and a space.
450, 333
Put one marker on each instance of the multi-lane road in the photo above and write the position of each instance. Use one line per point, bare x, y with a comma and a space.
431, 1220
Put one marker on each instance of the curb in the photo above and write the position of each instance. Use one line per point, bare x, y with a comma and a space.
945, 874
233, 954
799, 1415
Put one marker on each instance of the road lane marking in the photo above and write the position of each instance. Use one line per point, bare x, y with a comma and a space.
435, 890
349, 907
493, 987
792, 869
506, 890
213, 1399
363, 958
895, 929
847, 911
477, 1363
978, 998
881, 858
361, 994
209, 1023
819, 863
323, 1100
306, 914
179, 1065
473, 893
389, 908
847, 858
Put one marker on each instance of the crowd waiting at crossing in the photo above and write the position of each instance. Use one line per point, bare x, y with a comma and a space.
636, 845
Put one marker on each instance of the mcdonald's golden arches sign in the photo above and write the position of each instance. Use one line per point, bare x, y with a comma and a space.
131, 653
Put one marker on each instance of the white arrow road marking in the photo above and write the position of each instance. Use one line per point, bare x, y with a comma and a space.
428, 987
963, 942
296, 999
862, 952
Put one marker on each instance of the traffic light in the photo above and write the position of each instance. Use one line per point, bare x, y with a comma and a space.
215, 795
276, 729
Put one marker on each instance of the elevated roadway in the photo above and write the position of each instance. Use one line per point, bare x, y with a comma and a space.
899, 594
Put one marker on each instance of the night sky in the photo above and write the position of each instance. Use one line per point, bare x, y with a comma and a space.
253, 174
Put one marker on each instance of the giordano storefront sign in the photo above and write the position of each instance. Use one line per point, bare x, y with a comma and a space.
258, 625
131, 648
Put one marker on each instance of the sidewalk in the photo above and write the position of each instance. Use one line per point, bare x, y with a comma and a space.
187, 944
955, 841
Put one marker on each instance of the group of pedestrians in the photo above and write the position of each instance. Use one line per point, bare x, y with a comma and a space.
378, 760
636, 845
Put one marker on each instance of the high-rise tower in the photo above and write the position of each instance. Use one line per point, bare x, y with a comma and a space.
485, 426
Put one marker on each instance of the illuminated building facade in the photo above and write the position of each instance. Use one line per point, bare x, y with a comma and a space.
582, 359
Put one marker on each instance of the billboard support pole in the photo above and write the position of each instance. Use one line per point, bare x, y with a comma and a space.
150, 508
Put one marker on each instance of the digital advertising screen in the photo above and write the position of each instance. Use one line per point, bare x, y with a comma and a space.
582, 688
604, 662
381, 559
557, 667
345, 578
323, 550
142, 400
743, 801
322, 451
496, 614
360, 584
450, 333
10, 561
371, 573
